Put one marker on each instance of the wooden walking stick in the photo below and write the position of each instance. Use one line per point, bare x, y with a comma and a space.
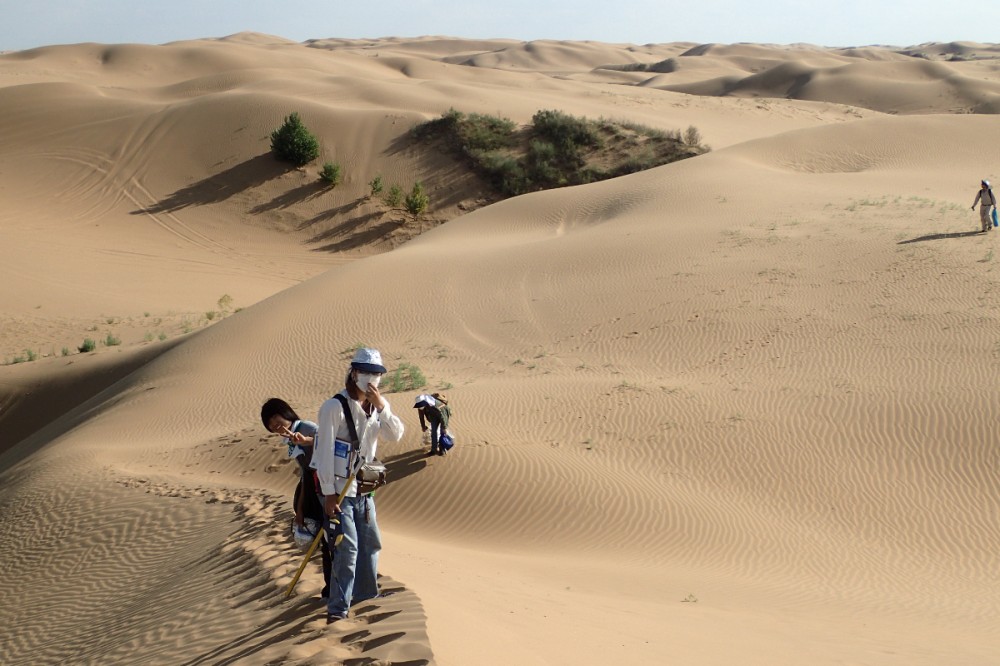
312, 547
305, 561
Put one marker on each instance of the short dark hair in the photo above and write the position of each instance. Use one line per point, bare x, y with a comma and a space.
277, 406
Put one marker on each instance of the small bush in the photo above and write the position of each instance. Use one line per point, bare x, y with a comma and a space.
331, 174
88, 346
162, 336
417, 200
692, 137
31, 355
65, 351
406, 377
112, 341
225, 302
292, 142
505, 172
376, 186
210, 315
564, 130
394, 197
478, 132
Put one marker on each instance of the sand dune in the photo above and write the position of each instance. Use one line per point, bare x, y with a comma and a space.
736, 409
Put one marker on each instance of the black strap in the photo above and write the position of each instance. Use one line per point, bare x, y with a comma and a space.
355, 440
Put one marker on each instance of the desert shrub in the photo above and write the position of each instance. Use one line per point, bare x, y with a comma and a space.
31, 354
444, 126
210, 315
564, 130
376, 186
330, 174
504, 172
692, 137
557, 149
478, 132
542, 165
225, 302
112, 341
88, 346
65, 351
162, 336
394, 197
406, 377
417, 200
292, 142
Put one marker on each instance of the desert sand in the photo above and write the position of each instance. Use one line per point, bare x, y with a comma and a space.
739, 409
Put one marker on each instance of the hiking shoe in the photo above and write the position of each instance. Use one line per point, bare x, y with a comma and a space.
331, 618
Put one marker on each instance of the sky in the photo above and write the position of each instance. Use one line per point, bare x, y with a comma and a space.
27, 24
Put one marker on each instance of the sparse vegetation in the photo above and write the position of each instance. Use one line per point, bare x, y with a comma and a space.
394, 197
292, 142
692, 137
376, 186
225, 302
406, 377
65, 351
330, 174
112, 341
417, 200
556, 149
88, 346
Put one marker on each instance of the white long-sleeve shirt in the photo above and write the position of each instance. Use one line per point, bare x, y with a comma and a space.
331, 468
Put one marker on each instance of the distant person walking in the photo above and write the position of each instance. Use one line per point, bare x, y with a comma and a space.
434, 416
360, 408
987, 204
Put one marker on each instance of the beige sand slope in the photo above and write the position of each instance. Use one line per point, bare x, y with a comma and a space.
737, 409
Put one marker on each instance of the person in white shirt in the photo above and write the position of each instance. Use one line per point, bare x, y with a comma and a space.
336, 460
989, 202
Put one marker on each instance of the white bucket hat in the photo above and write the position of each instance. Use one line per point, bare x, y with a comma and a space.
368, 360
424, 400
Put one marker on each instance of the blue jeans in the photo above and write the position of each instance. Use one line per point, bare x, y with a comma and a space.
435, 435
355, 560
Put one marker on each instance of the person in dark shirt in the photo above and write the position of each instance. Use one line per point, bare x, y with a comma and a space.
279, 417
432, 418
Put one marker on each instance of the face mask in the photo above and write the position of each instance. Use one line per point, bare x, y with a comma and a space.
365, 379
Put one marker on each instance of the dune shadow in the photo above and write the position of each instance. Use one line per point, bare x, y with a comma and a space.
292, 620
403, 465
348, 226
331, 213
933, 237
221, 186
362, 239
298, 195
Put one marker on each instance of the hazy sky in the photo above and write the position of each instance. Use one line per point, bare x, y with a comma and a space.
29, 23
